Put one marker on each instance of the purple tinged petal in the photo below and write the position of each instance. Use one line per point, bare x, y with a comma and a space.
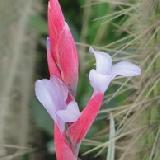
125, 68
70, 114
103, 61
52, 94
59, 92
105, 72
44, 97
99, 81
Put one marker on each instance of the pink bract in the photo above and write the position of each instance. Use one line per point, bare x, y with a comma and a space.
62, 44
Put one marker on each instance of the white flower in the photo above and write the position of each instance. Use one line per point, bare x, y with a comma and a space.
53, 94
105, 72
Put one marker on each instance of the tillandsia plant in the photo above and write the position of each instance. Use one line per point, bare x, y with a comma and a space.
57, 94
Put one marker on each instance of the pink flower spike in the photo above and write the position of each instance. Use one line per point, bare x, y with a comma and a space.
53, 95
63, 48
79, 128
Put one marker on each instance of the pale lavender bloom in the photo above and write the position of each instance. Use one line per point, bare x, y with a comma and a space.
53, 94
105, 72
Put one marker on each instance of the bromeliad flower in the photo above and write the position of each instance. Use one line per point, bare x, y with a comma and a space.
53, 95
105, 72
57, 93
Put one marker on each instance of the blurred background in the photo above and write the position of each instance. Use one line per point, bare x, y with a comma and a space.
128, 124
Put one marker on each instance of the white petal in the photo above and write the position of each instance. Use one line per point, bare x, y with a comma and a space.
45, 97
59, 92
70, 114
99, 81
52, 94
125, 68
103, 61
